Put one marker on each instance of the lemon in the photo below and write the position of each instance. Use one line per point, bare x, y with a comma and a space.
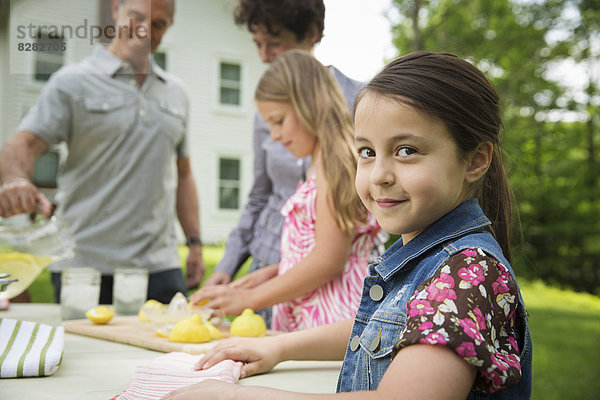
100, 314
190, 330
214, 332
150, 304
248, 324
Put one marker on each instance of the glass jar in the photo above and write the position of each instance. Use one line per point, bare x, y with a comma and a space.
130, 290
80, 291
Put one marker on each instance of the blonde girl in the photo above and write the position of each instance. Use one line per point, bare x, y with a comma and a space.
328, 236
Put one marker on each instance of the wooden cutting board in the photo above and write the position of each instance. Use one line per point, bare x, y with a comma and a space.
130, 330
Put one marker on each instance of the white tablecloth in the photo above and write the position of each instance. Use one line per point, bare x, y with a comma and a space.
98, 369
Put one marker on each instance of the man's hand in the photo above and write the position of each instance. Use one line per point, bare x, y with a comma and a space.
20, 196
17, 160
195, 266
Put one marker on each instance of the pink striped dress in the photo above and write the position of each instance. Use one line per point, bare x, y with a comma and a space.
336, 300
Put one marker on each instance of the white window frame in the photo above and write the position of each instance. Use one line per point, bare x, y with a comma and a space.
220, 183
225, 83
230, 109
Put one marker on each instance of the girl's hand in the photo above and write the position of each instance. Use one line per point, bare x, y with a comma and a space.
256, 278
209, 389
258, 354
224, 299
208, 293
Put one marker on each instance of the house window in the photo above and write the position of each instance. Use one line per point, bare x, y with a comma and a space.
50, 55
229, 183
230, 84
160, 58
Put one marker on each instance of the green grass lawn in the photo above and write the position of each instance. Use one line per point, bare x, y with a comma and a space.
565, 329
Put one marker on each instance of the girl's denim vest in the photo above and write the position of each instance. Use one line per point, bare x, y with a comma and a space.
391, 282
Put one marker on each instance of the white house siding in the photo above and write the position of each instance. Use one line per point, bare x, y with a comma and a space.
21, 85
203, 36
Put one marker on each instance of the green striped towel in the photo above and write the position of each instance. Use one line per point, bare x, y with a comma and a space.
29, 348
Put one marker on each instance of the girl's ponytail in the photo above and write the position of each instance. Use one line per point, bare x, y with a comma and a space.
496, 198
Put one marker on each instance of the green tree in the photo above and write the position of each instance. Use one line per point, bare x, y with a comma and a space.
553, 164
583, 30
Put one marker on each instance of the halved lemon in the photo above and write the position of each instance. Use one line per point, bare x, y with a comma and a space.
248, 324
100, 315
190, 330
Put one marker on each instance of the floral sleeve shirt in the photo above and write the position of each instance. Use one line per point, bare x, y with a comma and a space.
470, 305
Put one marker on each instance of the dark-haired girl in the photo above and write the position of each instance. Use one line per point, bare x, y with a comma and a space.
441, 316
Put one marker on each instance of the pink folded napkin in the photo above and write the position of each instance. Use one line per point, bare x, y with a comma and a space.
172, 371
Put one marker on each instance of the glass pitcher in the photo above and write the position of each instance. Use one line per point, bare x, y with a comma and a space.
25, 251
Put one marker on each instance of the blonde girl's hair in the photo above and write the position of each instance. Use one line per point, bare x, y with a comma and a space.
296, 77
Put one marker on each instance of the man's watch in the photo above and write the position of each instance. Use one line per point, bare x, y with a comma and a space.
193, 240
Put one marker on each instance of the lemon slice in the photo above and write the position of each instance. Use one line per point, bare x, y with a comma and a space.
24, 267
100, 315
248, 324
163, 332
